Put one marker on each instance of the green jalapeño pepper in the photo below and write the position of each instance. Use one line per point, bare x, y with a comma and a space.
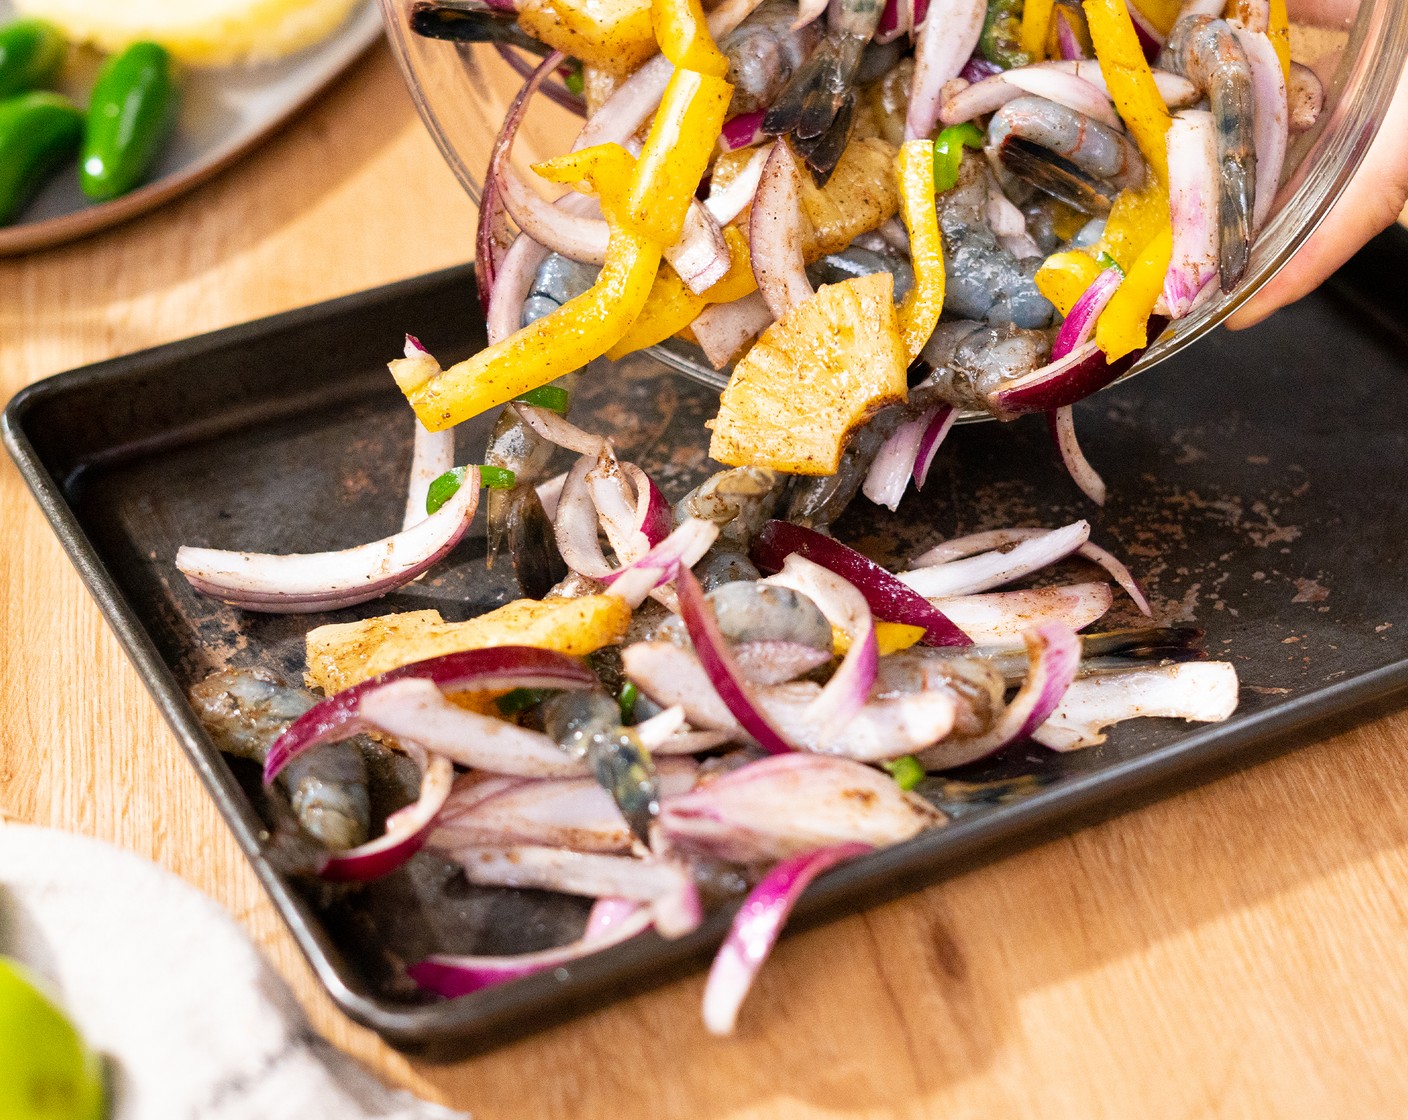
131, 111
948, 153
31, 52
38, 131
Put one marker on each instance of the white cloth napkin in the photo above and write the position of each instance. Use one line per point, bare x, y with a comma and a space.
164, 984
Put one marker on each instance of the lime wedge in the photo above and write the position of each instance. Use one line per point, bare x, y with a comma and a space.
47, 1071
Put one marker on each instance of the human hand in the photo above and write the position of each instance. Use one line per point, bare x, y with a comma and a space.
1372, 202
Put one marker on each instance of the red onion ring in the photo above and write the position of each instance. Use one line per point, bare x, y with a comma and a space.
1201, 691
732, 200
941, 422
304, 583
500, 667
724, 674
654, 517
1063, 430
493, 237
1176, 90
1000, 618
993, 569
846, 609
775, 234
558, 93
978, 68
576, 525
1067, 380
743, 131
946, 43
1053, 653
1060, 86
886, 596
894, 21
1067, 41
453, 976
755, 930
894, 464
432, 453
558, 429
512, 284
974, 543
406, 829
1193, 185
682, 549
1078, 327
722, 329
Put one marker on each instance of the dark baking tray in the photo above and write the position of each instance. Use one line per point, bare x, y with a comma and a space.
1259, 485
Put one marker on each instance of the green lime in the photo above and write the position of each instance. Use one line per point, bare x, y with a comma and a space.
47, 1071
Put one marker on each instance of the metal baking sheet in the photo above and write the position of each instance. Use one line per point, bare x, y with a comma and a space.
1257, 487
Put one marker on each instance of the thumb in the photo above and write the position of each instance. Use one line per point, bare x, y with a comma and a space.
1371, 203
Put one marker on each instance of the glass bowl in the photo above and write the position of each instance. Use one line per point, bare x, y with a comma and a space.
1357, 48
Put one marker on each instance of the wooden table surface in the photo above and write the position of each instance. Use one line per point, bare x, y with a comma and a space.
1239, 951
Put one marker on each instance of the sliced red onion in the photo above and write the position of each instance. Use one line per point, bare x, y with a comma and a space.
511, 287
756, 928
1078, 327
993, 569
946, 42
894, 464
846, 609
894, 21
432, 453
304, 583
920, 9
606, 916
1068, 43
559, 430
653, 516
577, 524
1176, 90
416, 711
724, 673
549, 492
615, 503
680, 551
743, 131
1063, 431
574, 813
999, 618
775, 234
554, 90
452, 976
1067, 380
886, 595
1151, 40
882, 729
728, 203
975, 543
1271, 120
590, 874
493, 236
700, 256
1305, 98
501, 667
572, 235
1201, 691
1053, 655
723, 329
783, 806
406, 829
977, 68
941, 420
667, 734
1193, 186
1060, 86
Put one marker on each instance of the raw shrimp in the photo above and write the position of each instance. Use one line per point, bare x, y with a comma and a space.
245, 710
1207, 52
763, 53
513, 446
1068, 155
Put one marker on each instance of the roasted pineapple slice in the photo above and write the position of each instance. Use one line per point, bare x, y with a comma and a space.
200, 32
860, 196
348, 653
614, 35
816, 374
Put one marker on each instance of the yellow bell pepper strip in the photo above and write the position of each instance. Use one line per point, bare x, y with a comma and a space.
920, 309
672, 307
1036, 25
580, 330
1136, 218
1123, 325
1278, 30
1163, 14
1064, 277
684, 37
1130, 80
676, 154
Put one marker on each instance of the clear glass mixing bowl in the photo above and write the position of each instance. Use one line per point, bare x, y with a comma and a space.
1356, 47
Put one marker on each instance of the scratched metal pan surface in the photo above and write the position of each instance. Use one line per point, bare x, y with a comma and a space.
1259, 486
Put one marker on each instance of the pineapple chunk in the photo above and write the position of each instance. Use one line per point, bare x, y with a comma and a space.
347, 653
890, 637
615, 35
860, 196
199, 32
813, 377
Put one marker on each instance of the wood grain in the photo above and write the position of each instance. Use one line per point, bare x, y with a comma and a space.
1238, 951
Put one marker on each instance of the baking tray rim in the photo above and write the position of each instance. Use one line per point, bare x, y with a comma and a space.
476, 1022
